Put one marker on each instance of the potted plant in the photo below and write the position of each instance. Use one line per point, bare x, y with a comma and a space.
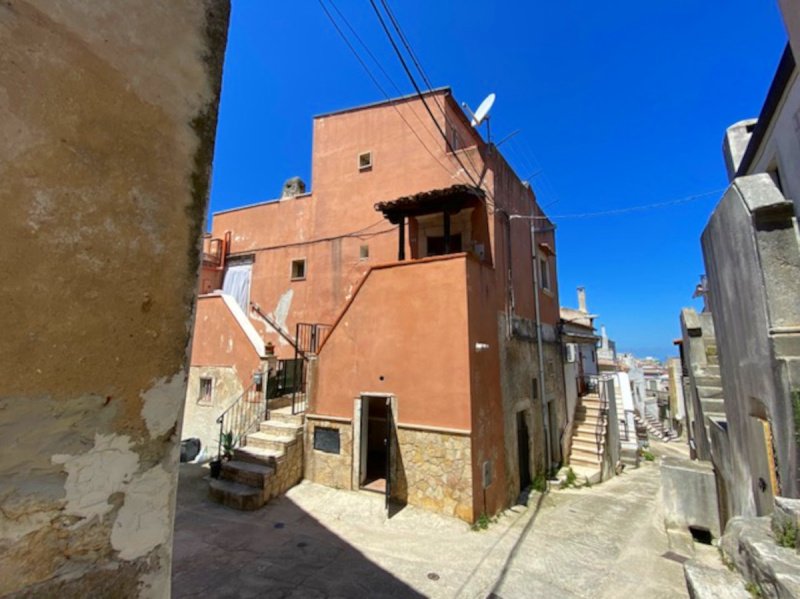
226, 445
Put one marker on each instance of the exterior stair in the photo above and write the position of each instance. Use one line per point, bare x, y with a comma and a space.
588, 435
655, 428
269, 463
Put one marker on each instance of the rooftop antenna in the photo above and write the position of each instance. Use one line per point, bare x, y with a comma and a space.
482, 114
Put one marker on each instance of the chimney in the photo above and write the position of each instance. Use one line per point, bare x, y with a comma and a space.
293, 187
582, 299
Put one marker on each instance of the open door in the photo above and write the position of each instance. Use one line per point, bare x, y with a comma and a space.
362, 476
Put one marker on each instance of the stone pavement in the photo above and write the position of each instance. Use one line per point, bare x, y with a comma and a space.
603, 541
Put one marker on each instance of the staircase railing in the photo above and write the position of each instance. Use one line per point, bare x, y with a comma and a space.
602, 418
242, 417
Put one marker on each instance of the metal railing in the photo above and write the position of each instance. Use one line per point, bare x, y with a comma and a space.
309, 336
240, 418
602, 418
586, 383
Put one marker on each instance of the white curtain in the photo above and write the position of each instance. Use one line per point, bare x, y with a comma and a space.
237, 284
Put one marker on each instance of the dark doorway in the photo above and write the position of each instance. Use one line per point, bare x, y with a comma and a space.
375, 437
523, 445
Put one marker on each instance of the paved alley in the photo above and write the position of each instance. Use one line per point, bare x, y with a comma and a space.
603, 541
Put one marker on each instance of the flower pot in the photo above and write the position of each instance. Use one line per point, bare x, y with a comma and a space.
216, 468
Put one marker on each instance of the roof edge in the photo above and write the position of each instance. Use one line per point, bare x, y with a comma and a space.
435, 90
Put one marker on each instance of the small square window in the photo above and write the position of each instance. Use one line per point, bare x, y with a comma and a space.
363, 253
206, 391
365, 161
298, 269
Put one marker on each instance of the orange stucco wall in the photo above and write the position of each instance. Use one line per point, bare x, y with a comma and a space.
404, 333
219, 340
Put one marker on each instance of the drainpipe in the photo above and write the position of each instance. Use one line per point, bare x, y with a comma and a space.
540, 351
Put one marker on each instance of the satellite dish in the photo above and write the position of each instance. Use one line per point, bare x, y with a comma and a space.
483, 110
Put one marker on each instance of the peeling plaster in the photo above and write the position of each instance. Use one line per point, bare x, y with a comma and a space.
162, 403
143, 522
94, 476
281, 312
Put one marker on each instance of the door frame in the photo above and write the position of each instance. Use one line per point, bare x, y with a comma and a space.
359, 460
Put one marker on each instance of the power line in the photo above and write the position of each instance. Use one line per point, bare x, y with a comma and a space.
419, 92
375, 80
616, 211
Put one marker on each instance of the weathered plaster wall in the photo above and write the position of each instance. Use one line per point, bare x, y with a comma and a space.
200, 416
109, 116
751, 254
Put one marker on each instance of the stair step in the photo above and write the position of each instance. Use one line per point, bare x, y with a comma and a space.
269, 441
581, 461
257, 455
287, 417
236, 495
709, 392
281, 428
247, 473
589, 454
584, 443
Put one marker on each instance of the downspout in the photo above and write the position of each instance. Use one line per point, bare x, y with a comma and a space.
540, 350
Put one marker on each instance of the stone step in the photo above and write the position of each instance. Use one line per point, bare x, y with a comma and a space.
590, 454
578, 460
705, 582
247, 473
589, 428
587, 409
257, 455
287, 417
585, 444
269, 441
709, 391
750, 545
280, 428
236, 495
707, 380
713, 406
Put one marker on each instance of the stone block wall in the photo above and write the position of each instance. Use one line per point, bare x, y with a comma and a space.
106, 138
329, 469
289, 468
433, 470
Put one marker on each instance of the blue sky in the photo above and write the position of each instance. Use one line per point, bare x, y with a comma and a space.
620, 104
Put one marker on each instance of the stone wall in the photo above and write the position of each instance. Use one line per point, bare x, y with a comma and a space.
329, 469
109, 116
433, 470
200, 417
289, 468
752, 258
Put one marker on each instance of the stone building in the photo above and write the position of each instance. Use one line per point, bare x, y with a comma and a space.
106, 137
752, 259
424, 308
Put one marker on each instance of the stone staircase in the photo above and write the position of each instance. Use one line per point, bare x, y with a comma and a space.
269, 463
708, 382
655, 428
586, 455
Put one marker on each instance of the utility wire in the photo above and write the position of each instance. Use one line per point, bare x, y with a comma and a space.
616, 211
419, 92
377, 83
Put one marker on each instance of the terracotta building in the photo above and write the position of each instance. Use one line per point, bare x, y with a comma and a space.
412, 296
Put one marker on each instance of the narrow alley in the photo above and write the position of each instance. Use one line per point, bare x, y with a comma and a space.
603, 541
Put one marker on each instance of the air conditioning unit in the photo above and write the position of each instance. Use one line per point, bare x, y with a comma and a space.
572, 353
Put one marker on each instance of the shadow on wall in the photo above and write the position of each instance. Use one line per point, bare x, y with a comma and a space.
278, 551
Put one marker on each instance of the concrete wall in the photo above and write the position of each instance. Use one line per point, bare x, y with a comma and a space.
791, 17
109, 116
200, 416
751, 254
780, 147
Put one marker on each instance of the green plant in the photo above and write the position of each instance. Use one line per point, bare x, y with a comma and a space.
228, 445
539, 483
753, 589
570, 479
648, 455
482, 523
786, 535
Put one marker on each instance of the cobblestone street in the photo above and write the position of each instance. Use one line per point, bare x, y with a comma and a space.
603, 541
